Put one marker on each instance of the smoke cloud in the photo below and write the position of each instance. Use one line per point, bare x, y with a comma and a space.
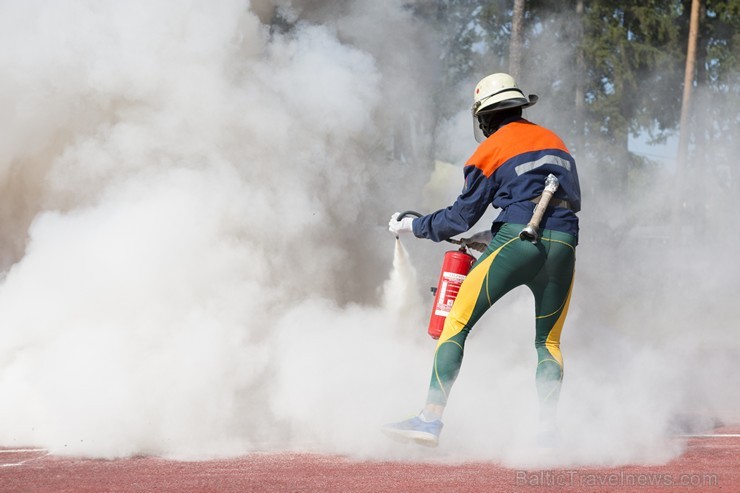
195, 261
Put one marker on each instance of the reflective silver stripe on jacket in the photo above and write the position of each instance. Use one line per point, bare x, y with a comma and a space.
556, 160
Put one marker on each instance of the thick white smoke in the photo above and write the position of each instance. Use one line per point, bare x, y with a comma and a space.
187, 217
195, 257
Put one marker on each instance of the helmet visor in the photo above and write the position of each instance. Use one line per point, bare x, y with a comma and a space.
477, 132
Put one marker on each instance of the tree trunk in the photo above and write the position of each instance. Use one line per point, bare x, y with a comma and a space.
580, 130
683, 139
515, 44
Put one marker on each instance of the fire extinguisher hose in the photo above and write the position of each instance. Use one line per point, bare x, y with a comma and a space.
462, 244
408, 213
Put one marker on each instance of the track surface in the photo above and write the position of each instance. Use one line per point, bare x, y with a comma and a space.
710, 463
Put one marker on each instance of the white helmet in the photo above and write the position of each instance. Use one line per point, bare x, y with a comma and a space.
499, 92
494, 93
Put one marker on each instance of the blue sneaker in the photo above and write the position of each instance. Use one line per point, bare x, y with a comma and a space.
415, 429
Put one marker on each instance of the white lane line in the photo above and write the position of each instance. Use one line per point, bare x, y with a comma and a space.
43, 452
716, 435
19, 450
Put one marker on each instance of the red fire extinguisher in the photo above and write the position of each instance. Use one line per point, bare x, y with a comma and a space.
455, 268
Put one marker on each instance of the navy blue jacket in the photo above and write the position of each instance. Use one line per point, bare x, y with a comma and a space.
506, 171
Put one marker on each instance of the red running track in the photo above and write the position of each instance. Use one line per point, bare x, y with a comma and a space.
710, 463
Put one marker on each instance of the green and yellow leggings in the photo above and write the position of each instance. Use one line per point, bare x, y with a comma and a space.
547, 268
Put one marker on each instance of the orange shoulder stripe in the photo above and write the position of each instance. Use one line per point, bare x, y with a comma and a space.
512, 140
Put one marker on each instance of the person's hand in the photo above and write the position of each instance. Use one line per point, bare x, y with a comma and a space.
474, 245
405, 225
479, 241
481, 237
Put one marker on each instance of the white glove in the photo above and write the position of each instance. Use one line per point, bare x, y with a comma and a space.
405, 225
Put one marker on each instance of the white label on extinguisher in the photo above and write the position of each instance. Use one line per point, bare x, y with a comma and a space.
451, 282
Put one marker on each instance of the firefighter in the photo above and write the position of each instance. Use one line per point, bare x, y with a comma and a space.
507, 171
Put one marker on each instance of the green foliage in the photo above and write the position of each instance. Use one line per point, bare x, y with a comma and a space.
634, 57
718, 71
634, 66
471, 37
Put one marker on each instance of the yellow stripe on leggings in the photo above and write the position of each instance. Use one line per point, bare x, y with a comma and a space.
464, 304
553, 338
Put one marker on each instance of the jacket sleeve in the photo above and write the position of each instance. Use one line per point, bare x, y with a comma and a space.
467, 209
